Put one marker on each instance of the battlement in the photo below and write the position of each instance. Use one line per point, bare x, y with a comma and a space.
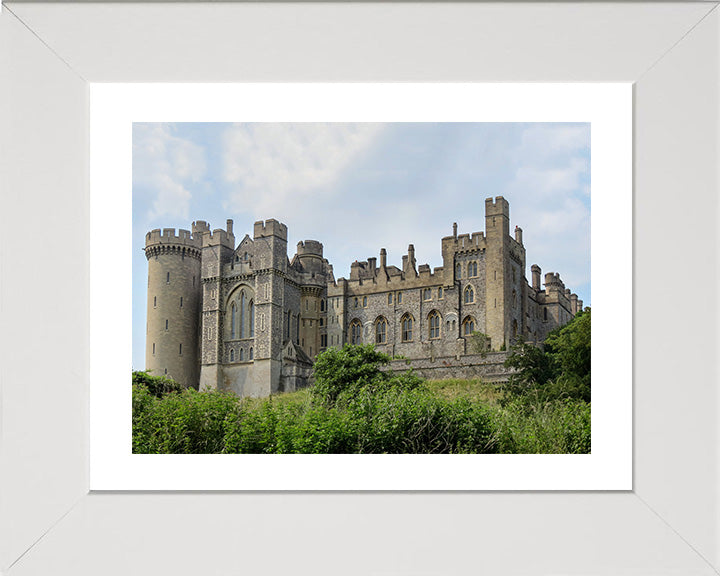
309, 248
199, 227
474, 241
497, 207
220, 237
270, 228
552, 280
171, 236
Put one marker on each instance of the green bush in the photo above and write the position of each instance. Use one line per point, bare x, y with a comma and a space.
189, 422
156, 385
346, 371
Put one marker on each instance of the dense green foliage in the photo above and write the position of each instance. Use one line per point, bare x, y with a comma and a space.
345, 372
560, 371
156, 385
354, 407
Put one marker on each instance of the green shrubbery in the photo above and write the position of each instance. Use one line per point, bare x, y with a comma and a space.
560, 371
354, 407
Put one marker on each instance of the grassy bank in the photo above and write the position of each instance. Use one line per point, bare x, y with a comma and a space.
448, 416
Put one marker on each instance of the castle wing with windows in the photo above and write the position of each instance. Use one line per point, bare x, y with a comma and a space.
246, 318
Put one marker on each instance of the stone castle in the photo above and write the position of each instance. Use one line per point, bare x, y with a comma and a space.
244, 317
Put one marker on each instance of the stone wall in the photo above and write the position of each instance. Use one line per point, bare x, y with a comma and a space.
491, 368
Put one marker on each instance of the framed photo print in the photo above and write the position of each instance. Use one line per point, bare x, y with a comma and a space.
374, 126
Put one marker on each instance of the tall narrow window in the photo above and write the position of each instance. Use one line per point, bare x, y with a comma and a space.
287, 326
472, 269
427, 294
181, 349
167, 278
545, 314
434, 324
355, 332
381, 331
468, 326
251, 312
399, 298
390, 298
242, 314
181, 301
458, 272
407, 328
233, 321
322, 305
364, 301
153, 348
154, 301
166, 323
251, 353
242, 355
232, 355
469, 295
440, 293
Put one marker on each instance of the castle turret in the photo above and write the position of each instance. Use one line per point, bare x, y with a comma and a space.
498, 286
173, 304
270, 242
218, 250
313, 310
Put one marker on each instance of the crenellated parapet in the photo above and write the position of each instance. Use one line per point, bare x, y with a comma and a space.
170, 241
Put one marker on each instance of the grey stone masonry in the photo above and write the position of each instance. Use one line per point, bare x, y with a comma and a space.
246, 318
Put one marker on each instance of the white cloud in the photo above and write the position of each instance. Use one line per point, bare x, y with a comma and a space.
271, 165
164, 165
549, 197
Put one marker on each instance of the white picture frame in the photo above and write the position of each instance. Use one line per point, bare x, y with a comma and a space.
668, 523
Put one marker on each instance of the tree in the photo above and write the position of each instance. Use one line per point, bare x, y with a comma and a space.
347, 370
569, 347
533, 369
562, 370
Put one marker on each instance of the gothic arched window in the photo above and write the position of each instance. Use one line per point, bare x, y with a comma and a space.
251, 353
434, 324
355, 332
232, 355
242, 355
381, 331
468, 326
472, 269
469, 295
407, 328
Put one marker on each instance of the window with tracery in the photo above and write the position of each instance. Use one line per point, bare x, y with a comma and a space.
434, 324
381, 331
407, 328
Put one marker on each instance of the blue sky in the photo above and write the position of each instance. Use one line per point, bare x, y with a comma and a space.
361, 187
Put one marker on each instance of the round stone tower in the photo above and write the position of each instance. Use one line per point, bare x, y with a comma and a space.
173, 311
